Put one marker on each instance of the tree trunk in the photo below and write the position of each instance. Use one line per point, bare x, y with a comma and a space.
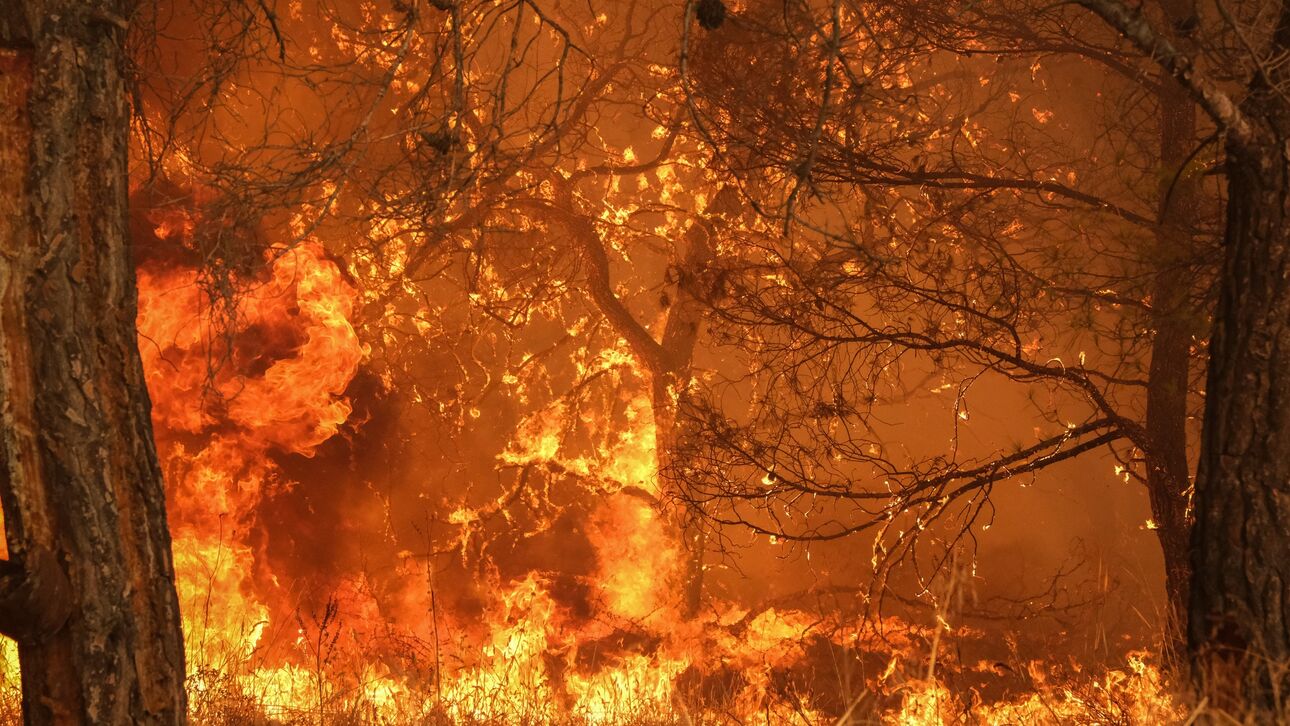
1242, 541
1168, 472
698, 283
668, 362
680, 335
81, 487
1239, 632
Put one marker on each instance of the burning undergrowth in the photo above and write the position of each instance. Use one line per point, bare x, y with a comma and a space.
515, 363
339, 562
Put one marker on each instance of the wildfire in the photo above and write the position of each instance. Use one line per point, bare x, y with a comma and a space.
244, 382
228, 403
222, 402
638, 561
523, 363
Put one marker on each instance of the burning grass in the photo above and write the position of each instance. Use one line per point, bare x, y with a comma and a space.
518, 679
454, 635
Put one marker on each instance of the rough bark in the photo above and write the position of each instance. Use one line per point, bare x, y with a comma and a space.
1241, 542
1239, 631
81, 486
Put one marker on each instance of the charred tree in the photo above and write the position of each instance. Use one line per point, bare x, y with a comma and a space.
90, 592
668, 361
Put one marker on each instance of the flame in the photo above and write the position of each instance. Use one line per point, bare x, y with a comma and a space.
510, 680
252, 372
218, 414
294, 404
636, 686
1135, 694
284, 359
638, 561
627, 457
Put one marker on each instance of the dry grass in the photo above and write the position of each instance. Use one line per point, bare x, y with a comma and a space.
329, 695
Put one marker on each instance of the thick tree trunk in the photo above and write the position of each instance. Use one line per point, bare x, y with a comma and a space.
81, 487
1240, 606
1168, 472
1239, 629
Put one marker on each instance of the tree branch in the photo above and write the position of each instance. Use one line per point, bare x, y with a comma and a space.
1138, 30
599, 285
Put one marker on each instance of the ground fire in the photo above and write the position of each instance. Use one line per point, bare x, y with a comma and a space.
644, 362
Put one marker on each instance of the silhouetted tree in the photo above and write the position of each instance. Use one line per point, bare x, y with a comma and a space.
936, 225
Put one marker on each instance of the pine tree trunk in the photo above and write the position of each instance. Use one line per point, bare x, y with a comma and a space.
1240, 604
81, 488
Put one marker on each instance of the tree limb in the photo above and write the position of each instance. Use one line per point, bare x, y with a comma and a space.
1138, 30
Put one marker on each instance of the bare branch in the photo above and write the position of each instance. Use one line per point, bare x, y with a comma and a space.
1138, 30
